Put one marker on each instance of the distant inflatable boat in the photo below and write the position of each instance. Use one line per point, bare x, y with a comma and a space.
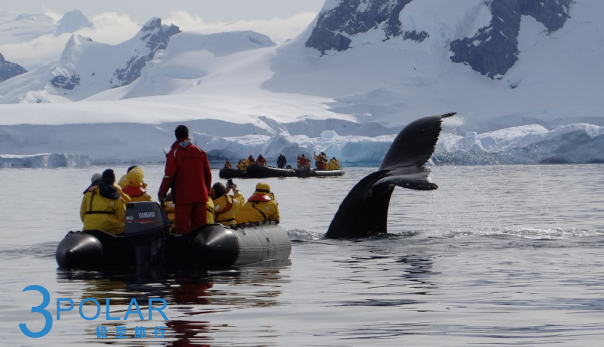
257, 171
146, 243
319, 173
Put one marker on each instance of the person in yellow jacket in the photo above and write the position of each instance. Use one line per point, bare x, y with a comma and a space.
170, 209
210, 216
333, 164
250, 160
260, 207
226, 206
135, 188
242, 165
102, 206
321, 161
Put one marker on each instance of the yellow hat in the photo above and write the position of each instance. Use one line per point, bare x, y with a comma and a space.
135, 177
263, 187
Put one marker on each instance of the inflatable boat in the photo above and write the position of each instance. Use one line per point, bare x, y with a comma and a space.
318, 173
257, 171
146, 243
232, 173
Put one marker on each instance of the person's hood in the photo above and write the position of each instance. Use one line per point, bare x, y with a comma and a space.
108, 191
182, 143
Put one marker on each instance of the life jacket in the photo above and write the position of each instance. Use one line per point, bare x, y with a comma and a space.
257, 199
134, 191
89, 210
227, 208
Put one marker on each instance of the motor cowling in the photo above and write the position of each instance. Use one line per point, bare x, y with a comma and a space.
146, 229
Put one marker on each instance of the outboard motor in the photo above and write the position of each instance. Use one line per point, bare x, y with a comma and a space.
146, 229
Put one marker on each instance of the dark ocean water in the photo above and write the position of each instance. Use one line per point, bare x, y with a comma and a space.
498, 256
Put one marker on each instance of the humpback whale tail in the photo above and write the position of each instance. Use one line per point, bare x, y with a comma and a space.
364, 211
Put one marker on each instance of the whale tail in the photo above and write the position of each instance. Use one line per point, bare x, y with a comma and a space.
364, 211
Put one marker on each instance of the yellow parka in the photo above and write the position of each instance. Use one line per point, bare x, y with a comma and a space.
334, 165
210, 217
260, 207
227, 206
242, 165
101, 213
135, 187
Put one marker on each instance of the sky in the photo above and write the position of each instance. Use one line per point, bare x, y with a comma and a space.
116, 21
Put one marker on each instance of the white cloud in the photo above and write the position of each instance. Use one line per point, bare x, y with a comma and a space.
278, 29
113, 28
36, 52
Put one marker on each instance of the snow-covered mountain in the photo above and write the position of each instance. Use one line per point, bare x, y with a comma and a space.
362, 66
86, 67
8, 69
17, 28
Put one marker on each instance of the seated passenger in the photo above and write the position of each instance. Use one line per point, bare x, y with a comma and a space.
250, 160
260, 207
242, 165
124, 179
333, 164
170, 209
303, 162
135, 187
227, 164
261, 161
102, 207
95, 180
226, 206
210, 216
321, 161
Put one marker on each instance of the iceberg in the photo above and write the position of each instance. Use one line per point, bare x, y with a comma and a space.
528, 144
44, 160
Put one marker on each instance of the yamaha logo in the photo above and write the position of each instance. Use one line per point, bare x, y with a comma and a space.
146, 215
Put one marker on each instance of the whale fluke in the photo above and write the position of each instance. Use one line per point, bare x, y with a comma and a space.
364, 211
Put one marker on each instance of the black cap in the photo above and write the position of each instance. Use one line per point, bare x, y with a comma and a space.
181, 132
108, 176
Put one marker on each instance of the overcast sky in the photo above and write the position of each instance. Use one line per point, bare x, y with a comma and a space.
116, 21
141, 11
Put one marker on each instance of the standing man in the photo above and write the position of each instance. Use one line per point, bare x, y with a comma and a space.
188, 174
281, 161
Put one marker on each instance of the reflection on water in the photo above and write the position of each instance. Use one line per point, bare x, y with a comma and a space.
196, 293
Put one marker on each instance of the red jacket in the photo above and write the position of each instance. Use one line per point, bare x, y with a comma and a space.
187, 172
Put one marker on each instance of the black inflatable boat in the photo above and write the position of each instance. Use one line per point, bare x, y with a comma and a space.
146, 243
318, 173
256, 171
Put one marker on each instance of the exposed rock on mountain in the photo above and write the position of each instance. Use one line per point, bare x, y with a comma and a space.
155, 37
8, 69
494, 49
491, 51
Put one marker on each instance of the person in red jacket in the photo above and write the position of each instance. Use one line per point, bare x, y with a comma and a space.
188, 174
